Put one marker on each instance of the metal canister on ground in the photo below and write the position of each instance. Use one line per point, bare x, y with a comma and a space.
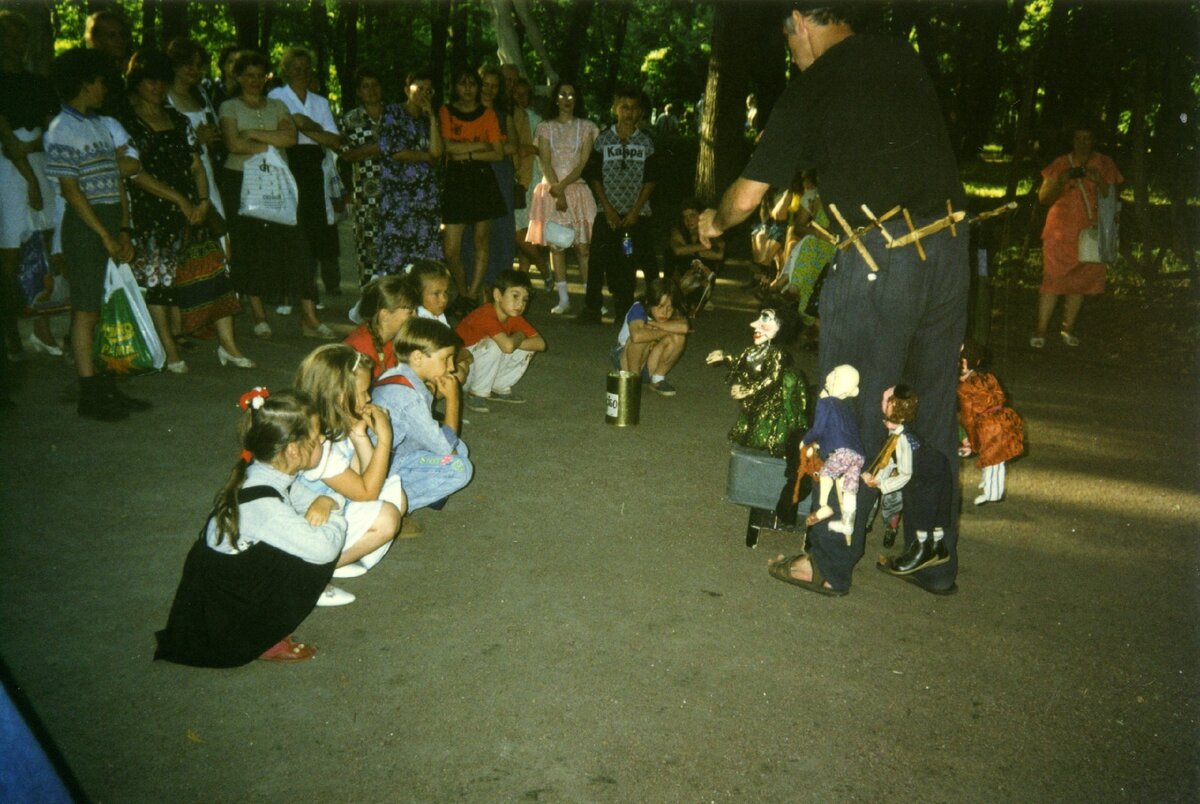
623, 400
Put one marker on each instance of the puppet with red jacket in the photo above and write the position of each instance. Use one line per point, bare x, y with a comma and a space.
994, 431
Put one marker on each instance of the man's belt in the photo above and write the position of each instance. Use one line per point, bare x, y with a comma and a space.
854, 237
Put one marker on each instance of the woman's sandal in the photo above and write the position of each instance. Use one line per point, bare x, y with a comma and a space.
285, 650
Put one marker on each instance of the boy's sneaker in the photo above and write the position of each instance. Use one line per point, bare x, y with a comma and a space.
506, 396
477, 404
663, 388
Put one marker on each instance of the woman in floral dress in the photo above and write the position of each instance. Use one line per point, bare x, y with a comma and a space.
169, 199
360, 131
410, 146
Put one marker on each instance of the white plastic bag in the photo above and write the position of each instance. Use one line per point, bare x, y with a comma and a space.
269, 191
558, 235
335, 191
1108, 222
124, 345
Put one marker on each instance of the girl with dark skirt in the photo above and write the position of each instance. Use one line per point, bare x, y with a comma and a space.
471, 196
267, 551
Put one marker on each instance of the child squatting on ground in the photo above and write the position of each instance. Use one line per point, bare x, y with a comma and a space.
353, 471
386, 303
652, 338
267, 550
429, 458
501, 342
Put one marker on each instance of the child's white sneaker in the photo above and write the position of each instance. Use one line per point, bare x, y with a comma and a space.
506, 396
333, 596
351, 570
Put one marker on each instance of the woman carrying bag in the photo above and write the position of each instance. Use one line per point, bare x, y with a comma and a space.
177, 262
1072, 187
265, 254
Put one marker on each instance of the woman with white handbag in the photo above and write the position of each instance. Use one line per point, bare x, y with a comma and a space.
1072, 265
267, 253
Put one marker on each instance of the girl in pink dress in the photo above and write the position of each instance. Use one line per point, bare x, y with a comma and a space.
564, 145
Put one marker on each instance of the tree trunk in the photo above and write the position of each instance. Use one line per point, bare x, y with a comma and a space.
345, 50
439, 33
149, 34
174, 20
1137, 169
575, 43
268, 22
245, 23
722, 142
614, 65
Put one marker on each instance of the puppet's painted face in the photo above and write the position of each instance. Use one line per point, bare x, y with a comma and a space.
765, 327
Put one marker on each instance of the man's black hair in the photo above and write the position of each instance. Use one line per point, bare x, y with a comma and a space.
78, 66
826, 13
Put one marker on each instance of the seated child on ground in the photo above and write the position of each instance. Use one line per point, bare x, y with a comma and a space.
501, 341
429, 458
431, 280
653, 336
352, 470
267, 551
387, 302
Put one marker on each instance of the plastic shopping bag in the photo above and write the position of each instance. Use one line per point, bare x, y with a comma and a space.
269, 191
126, 342
1108, 224
43, 292
335, 190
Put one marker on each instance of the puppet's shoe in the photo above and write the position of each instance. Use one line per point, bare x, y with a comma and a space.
781, 570
916, 557
981, 499
845, 525
819, 515
889, 536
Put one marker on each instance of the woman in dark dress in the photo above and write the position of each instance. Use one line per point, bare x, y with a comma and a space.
410, 210
169, 201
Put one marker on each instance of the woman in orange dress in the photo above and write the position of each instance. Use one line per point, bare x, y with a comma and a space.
1071, 186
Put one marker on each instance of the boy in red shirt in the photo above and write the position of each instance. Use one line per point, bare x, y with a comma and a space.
501, 341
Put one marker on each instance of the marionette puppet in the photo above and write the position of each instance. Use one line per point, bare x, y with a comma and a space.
836, 435
892, 468
926, 492
771, 392
994, 431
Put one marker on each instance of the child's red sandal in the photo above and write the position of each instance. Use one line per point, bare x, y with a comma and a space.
285, 650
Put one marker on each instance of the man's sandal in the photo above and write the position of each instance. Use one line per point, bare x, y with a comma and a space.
782, 571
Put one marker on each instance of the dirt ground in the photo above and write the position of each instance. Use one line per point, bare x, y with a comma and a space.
584, 623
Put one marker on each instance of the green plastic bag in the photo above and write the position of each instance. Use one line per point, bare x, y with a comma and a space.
125, 342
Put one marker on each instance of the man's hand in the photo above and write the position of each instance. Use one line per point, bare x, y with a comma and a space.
715, 356
612, 217
708, 230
